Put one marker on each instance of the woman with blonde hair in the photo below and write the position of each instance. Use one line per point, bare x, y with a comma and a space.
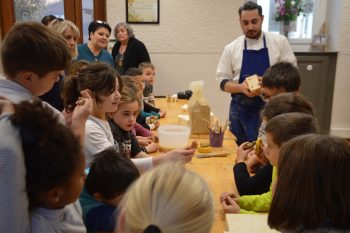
71, 33
167, 199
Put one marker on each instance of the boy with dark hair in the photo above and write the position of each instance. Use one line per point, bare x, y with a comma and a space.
32, 57
109, 177
279, 78
260, 182
31, 70
279, 130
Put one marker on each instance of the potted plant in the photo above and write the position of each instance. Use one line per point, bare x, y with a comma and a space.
287, 11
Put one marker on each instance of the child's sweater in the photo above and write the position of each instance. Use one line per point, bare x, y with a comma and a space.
257, 203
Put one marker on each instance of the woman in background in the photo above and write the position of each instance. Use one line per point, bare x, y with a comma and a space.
128, 51
71, 34
95, 49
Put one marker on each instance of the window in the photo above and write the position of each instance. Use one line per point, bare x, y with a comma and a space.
302, 28
80, 12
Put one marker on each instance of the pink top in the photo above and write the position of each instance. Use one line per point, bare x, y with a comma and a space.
139, 130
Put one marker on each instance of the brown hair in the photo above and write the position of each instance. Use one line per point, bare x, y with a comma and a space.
313, 184
98, 77
286, 126
31, 46
76, 65
282, 75
284, 103
144, 65
131, 91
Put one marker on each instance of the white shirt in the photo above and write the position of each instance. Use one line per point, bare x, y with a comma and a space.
98, 136
14, 215
68, 219
17, 93
230, 63
14, 201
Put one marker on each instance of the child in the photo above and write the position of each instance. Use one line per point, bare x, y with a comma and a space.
104, 84
312, 192
148, 77
149, 113
27, 75
109, 176
279, 130
144, 136
260, 182
54, 169
143, 117
280, 78
123, 120
138, 74
168, 198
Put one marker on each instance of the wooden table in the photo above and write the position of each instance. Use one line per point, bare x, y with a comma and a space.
216, 171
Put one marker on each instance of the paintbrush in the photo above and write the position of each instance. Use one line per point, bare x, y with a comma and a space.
226, 125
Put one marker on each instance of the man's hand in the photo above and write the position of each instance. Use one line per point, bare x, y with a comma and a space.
245, 90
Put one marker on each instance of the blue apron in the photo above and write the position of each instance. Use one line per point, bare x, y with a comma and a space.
244, 110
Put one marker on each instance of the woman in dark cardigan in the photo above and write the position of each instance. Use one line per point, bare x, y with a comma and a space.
128, 51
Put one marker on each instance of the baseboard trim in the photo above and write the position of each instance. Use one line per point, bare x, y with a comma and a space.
340, 132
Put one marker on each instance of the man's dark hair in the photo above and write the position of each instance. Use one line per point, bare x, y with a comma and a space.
250, 6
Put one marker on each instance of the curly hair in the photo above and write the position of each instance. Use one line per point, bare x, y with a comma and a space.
52, 152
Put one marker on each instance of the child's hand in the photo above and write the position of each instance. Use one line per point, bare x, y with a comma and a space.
230, 205
223, 196
179, 155
262, 157
152, 147
154, 138
156, 124
193, 145
143, 141
83, 107
252, 162
242, 153
162, 113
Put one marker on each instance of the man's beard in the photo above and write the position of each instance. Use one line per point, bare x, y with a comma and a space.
255, 36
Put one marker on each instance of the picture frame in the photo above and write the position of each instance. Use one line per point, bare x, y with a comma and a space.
142, 11
319, 39
25, 15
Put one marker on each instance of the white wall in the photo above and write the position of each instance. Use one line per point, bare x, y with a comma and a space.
338, 11
188, 42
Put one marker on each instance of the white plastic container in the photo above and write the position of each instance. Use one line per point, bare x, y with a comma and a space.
173, 136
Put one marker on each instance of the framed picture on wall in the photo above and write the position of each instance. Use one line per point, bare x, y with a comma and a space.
142, 11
